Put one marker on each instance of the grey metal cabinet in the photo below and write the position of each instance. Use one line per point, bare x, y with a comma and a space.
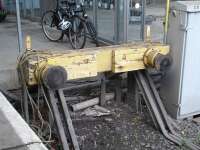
181, 86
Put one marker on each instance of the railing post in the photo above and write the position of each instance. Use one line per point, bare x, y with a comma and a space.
19, 26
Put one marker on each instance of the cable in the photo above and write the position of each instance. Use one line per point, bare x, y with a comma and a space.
42, 127
43, 122
24, 145
21, 146
45, 97
33, 104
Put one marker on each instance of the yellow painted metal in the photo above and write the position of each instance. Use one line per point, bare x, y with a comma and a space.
90, 62
28, 43
149, 57
167, 10
128, 59
148, 33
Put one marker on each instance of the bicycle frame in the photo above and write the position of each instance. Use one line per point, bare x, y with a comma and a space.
59, 13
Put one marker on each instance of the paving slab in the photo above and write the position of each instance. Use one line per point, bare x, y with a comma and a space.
14, 131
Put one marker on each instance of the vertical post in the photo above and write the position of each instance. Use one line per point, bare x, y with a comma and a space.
95, 7
103, 90
24, 8
116, 22
143, 21
166, 20
121, 18
126, 20
32, 9
130, 86
19, 26
132, 93
118, 89
118, 19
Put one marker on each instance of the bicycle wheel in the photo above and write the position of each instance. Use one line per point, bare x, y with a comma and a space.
92, 31
77, 33
50, 26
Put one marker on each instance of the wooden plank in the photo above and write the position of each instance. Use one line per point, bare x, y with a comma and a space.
68, 120
58, 120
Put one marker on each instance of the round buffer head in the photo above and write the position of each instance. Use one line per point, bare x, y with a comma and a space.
54, 77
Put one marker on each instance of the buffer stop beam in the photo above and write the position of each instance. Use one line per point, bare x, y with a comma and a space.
54, 68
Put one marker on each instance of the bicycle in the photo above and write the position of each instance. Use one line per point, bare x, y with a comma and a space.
90, 26
65, 20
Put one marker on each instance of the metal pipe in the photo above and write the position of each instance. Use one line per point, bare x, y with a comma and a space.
143, 20
24, 8
86, 85
19, 29
95, 17
32, 9
126, 20
166, 20
159, 113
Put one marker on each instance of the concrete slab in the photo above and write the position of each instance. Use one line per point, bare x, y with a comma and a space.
15, 132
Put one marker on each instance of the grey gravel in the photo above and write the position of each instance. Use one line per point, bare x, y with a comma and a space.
128, 130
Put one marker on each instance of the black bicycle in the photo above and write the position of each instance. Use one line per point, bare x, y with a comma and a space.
91, 29
68, 19
64, 20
